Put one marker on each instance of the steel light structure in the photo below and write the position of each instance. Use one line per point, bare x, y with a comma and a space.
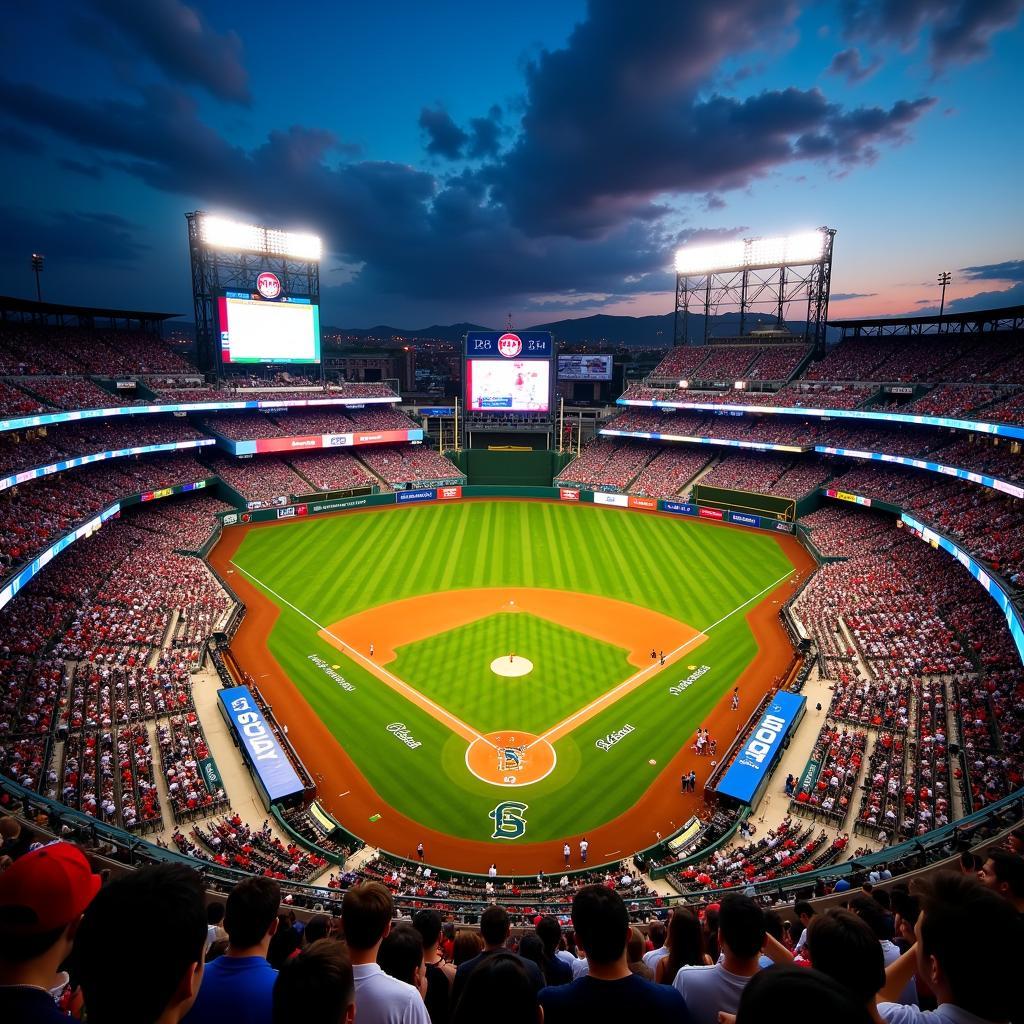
756, 275
229, 255
228, 234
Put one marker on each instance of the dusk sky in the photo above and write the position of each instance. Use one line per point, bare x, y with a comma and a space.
464, 160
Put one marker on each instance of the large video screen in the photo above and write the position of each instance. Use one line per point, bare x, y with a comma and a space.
513, 385
255, 330
584, 367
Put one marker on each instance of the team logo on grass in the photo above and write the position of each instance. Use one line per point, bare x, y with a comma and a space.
509, 822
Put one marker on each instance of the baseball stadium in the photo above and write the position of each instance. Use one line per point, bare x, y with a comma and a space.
764, 595
640, 637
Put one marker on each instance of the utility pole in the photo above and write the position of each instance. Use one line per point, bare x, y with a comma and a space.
37, 266
944, 278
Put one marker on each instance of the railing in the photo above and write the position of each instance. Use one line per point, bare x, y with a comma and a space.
937, 845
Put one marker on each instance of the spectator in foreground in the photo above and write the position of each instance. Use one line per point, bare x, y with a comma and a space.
741, 935
401, 956
494, 928
881, 923
1003, 872
238, 985
609, 992
438, 972
466, 945
556, 970
635, 947
498, 991
366, 913
316, 987
685, 946
656, 932
215, 923
842, 946
779, 993
42, 898
146, 980
968, 951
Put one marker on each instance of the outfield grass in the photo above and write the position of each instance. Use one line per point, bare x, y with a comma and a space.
454, 669
331, 567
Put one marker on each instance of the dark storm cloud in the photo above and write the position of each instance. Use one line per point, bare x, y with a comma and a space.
959, 30
849, 65
79, 237
622, 115
485, 137
615, 126
19, 141
177, 39
444, 137
77, 167
1010, 270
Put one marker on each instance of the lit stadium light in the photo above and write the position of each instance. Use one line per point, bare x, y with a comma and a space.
807, 247
229, 234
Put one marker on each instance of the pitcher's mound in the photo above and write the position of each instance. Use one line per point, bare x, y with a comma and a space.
514, 666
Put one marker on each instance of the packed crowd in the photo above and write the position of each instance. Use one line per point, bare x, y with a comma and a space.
899, 626
336, 470
945, 950
605, 465
34, 516
95, 651
28, 350
407, 465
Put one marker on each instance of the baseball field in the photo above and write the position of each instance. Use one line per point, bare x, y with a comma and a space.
478, 675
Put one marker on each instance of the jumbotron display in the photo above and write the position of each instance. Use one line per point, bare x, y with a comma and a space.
520, 385
508, 372
257, 330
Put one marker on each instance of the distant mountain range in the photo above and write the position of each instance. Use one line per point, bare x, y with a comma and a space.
600, 329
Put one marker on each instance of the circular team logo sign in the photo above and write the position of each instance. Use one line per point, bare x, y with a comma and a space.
268, 285
510, 345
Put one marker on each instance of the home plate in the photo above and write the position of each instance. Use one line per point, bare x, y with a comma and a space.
511, 666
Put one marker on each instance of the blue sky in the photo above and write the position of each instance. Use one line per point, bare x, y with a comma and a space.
463, 160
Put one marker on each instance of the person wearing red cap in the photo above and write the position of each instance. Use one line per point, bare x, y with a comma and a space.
42, 898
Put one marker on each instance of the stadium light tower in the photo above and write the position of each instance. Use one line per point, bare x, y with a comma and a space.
228, 255
747, 273
944, 278
37, 266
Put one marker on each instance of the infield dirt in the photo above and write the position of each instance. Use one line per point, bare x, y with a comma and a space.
346, 793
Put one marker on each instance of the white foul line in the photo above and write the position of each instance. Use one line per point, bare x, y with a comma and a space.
400, 684
637, 675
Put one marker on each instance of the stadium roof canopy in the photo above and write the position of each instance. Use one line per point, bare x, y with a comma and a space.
28, 310
1007, 318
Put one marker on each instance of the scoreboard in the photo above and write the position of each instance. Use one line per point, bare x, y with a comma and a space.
508, 372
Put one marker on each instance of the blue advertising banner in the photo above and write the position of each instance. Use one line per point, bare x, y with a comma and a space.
763, 746
436, 410
680, 508
427, 494
744, 519
259, 743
